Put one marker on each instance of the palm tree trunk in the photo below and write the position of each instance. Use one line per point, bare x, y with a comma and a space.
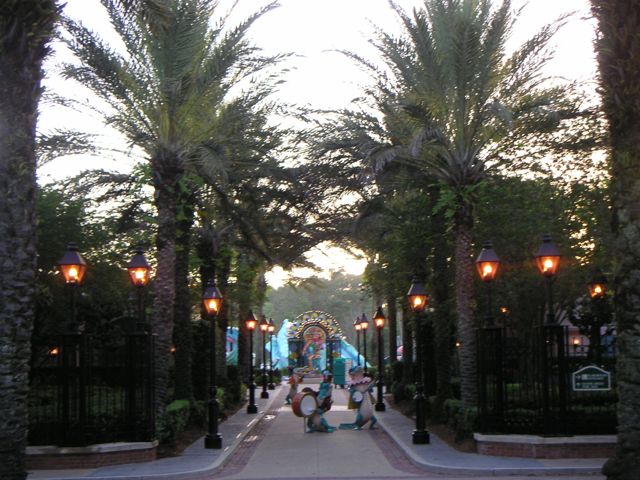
165, 184
182, 334
464, 298
24, 35
618, 47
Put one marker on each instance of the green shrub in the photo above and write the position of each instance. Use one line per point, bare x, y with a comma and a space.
233, 387
199, 413
403, 392
173, 421
397, 372
464, 421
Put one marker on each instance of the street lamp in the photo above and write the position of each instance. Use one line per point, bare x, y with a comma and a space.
264, 326
597, 287
139, 270
358, 327
73, 268
364, 325
417, 297
487, 264
597, 291
251, 323
271, 328
378, 321
547, 259
212, 300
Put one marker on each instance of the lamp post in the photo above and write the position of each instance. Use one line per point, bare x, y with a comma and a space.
251, 323
364, 325
487, 264
597, 291
212, 300
264, 326
271, 328
358, 328
378, 321
139, 270
417, 297
547, 259
73, 268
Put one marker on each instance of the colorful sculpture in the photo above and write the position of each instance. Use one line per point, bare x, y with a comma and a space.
313, 405
360, 388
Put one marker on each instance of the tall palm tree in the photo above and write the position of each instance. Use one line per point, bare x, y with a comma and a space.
167, 93
462, 97
617, 47
26, 28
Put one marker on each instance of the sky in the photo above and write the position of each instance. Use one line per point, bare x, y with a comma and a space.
319, 77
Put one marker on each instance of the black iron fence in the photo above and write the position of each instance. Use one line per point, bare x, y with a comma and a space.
539, 384
87, 389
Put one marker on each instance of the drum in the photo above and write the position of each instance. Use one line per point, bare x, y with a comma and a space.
357, 396
304, 404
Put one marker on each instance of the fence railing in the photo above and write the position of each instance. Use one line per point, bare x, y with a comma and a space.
526, 385
87, 389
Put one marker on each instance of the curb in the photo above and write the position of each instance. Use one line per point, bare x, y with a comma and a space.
493, 471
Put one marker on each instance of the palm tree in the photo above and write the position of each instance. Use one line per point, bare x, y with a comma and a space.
26, 28
168, 93
462, 98
617, 46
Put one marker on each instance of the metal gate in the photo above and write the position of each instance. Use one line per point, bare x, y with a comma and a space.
525, 385
87, 389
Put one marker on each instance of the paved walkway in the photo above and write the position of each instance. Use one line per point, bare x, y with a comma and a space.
273, 445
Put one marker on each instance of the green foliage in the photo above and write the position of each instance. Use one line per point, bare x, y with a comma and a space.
464, 421
234, 389
198, 413
173, 421
403, 392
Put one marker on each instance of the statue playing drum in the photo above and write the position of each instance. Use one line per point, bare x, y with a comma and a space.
313, 405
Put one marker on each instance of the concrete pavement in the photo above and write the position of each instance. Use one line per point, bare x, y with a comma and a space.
273, 444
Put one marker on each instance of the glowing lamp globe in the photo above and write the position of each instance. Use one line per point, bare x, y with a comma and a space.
138, 268
212, 298
378, 318
72, 265
487, 263
251, 322
597, 287
417, 296
547, 257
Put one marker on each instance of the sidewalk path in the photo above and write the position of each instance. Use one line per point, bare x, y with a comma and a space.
273, 445
286, 451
